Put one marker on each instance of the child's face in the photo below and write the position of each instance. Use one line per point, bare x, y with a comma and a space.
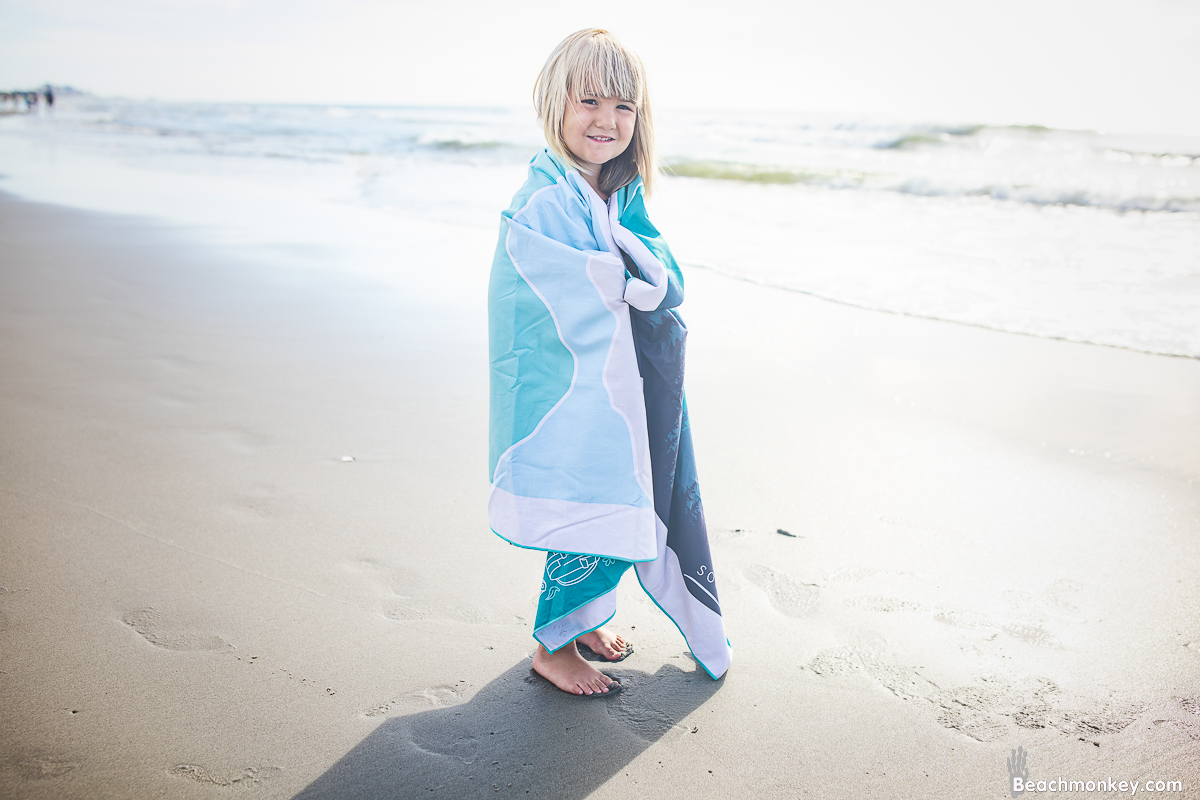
598, 129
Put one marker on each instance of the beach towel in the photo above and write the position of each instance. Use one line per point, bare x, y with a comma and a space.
590, 448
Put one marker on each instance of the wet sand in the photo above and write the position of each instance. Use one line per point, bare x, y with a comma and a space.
934, 544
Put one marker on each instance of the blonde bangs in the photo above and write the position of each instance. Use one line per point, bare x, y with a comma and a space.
592, 61
603, 70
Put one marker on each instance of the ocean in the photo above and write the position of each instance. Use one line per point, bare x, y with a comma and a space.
1076, 235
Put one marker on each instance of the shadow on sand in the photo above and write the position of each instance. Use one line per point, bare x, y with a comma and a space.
517, 737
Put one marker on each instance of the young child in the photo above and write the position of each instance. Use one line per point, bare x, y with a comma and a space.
591, 453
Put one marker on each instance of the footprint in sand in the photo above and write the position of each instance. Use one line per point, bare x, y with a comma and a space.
1026, 631
984, 709
444, 738
1059, 599
1027, 627
787, 596
409, 594
406, 606
149, 625
248, 776
642, 718
1032, 633
854, 575
3, 616
42, 766
420, 700
1096, 718
886, 605
1189, 729
979, 725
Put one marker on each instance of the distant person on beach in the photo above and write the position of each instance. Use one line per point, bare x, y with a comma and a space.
49, 95
590, 448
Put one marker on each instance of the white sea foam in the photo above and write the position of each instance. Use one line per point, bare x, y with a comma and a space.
1071, 234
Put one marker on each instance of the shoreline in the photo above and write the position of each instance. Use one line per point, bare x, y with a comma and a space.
851, 304
199, 593
1015, 230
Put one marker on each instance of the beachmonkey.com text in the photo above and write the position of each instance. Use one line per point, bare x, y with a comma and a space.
1021, 786
1019, 782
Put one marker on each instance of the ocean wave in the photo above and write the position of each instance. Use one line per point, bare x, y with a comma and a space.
461, 144
1029, 164
1159, 159
928, 187
1123, 280
1051, 197
757, 173
936, 134
916, 137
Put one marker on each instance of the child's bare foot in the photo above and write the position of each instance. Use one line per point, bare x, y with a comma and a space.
605, 644
567, 670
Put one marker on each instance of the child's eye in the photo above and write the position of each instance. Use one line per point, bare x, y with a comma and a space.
589, 101
625, 107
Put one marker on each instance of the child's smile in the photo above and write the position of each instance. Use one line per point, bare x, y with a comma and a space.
598, 129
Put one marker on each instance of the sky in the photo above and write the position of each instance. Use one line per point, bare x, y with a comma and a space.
1112, 65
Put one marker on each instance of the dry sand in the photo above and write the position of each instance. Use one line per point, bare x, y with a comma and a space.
991, 542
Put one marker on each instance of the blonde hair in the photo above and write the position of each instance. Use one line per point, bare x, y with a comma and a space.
592, 61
